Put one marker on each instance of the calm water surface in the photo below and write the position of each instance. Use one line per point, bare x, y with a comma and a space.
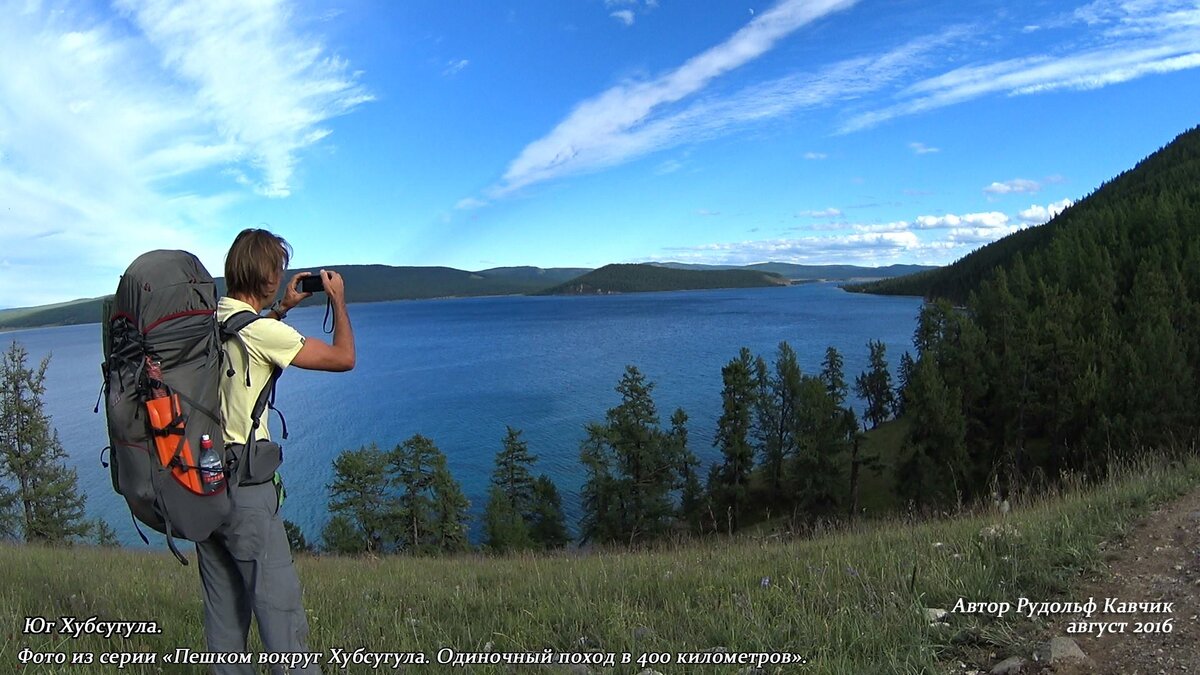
459, 371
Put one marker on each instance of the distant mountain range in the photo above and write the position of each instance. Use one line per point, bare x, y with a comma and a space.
377, 283
812, 272
645, 277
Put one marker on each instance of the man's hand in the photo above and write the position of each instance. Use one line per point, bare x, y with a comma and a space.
291, 296
334, 287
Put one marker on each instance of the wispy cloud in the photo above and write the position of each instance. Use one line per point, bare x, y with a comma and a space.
823, 213
707, 212
1128, 39
932, 239
815, 155
97, 128
625, 16
919, 148
1014, 186
628, 120
455, 67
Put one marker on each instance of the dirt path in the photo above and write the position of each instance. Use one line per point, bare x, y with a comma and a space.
1158, 562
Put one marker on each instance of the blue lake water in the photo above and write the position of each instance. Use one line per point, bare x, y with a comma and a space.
460, 370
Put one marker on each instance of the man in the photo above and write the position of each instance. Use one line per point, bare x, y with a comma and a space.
246, 565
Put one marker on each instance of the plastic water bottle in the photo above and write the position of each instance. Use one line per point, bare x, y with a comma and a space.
212, 474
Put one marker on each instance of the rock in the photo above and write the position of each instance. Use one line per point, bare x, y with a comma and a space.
641, 633
649, 671
1065, 650
935, 615
1010, 666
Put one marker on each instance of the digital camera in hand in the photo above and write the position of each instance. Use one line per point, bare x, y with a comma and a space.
312, 284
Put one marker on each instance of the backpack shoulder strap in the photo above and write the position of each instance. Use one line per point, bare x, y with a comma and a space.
233, 325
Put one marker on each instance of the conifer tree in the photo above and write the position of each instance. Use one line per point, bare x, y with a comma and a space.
875, 386
692, 500
547, 525
430, 509
45, 492
360, 503
776, 417
503, 527
450, 505
631, 467
512, 473
729, 482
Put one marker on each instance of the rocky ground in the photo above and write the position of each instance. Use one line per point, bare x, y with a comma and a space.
1158, 561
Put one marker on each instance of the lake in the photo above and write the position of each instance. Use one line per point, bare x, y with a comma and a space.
460, 370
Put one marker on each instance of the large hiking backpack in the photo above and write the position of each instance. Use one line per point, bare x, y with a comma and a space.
162, 368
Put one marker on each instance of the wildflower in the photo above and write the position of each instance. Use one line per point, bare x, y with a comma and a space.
766, 581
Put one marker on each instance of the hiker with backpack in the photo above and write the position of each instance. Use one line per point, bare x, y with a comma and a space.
246, 565
188, 380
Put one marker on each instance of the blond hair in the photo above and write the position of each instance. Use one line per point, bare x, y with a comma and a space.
253, 261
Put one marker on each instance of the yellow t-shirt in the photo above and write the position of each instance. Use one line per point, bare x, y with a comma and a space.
270, 343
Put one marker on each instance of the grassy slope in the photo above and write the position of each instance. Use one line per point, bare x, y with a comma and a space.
843, 600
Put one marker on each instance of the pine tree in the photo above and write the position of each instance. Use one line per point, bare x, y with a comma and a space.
631, 468
503, 527
547, 526
296, 539
729, 483
692, 500
875, 386
512, 473
776, 422
450, 505
49, 505
430, 509
104, 535
359, 501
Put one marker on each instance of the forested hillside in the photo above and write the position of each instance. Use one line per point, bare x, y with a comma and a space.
1077, 342
637, 278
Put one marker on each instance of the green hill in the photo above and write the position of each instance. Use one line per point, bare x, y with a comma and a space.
1064, 347
1120, 221
364, 283
641, 278
812, 272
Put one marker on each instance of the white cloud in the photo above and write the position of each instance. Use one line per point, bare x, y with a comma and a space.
455, 67
1128, 39
815, 155
898, 226
823, 213
669, 166
97, 126
989, 219
266, 88
1014, 186
470, 204
860, 248
922, 149
707, 212
625, 16
627, 120
1037, 214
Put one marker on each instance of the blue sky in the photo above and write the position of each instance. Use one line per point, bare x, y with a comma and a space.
566, 132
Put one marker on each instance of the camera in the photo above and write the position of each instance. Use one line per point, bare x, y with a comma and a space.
311, 284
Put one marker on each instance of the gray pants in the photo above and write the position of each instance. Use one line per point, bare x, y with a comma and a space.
246, 566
